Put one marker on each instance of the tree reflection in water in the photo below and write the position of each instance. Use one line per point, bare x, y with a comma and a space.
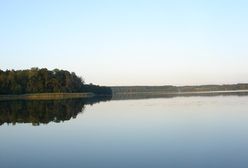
43, 111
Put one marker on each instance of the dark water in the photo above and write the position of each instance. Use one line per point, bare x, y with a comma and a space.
202, 132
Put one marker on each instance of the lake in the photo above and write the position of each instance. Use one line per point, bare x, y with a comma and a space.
180, 132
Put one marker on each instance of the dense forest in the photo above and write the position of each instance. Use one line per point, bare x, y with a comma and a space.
37, 80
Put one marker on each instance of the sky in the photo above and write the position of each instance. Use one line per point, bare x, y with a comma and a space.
129, 42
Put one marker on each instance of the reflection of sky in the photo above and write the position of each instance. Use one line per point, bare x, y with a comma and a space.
129, 42
177, 132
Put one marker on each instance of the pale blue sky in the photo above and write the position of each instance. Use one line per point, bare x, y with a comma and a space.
129, 42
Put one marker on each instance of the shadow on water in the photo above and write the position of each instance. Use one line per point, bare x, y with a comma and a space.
44, 111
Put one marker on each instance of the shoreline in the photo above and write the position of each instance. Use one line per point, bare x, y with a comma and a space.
182, 93
55, 96
46, 96
147, 95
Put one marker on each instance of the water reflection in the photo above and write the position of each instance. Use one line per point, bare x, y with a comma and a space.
43, 111
181, 132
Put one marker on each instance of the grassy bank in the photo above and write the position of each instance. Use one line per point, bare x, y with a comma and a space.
45, 96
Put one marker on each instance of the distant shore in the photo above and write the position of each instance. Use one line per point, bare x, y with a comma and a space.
181, 89
146, 95
185, 92
46, 96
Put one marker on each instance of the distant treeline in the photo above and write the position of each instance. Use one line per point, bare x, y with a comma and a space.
173, 89
36, 80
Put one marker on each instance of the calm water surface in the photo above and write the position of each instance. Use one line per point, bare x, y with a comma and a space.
202, 132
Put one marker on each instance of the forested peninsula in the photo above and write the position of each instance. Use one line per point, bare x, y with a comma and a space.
40, 81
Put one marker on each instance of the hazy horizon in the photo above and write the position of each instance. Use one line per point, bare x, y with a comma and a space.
128, 43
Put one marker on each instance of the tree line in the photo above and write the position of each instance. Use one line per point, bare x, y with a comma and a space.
37, 80
173, 89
